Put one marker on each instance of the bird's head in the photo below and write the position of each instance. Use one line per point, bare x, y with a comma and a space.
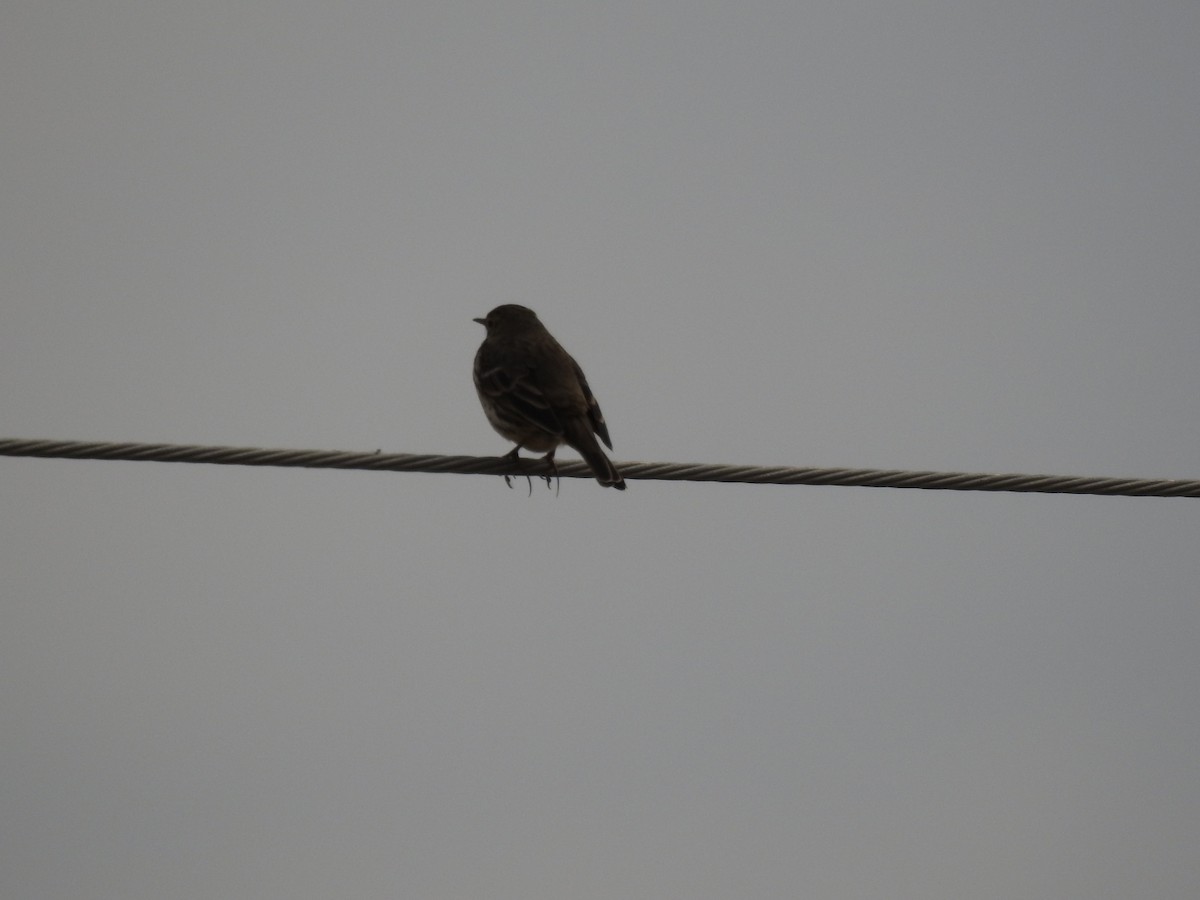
509, 316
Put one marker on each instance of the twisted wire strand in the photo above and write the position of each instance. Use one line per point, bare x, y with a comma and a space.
653, 471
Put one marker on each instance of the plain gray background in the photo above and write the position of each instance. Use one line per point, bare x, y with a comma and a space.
935, 235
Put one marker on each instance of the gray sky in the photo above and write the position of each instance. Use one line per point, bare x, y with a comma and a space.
880, 234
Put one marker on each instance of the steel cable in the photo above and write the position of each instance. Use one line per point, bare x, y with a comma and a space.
644, 471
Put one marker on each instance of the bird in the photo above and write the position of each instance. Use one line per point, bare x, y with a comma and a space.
535, 395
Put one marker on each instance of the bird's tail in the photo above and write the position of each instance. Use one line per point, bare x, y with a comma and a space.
579, 436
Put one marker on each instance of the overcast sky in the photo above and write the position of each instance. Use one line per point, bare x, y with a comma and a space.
934, 235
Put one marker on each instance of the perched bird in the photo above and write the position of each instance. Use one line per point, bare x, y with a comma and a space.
535, 394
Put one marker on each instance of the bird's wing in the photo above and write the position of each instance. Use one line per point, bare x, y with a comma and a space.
515, 388
594, 415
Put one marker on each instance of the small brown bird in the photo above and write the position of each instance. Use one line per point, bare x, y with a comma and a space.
535, 394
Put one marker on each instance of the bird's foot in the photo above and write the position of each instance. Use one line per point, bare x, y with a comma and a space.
548, 459
513, 454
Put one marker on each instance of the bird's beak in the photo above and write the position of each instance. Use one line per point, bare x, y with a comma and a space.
480, 321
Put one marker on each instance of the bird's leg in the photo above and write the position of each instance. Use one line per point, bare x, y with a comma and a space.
549, 460
513, 454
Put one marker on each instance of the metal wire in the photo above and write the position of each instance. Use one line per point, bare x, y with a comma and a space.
490, 465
